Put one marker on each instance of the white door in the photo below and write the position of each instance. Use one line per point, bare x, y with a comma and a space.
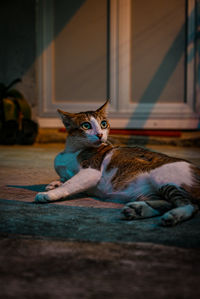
140, 54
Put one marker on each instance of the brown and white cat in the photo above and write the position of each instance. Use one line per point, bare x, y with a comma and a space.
149, 183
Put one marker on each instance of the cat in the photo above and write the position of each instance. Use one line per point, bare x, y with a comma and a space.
148, 183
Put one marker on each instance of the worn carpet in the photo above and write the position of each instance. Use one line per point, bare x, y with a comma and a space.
82, 247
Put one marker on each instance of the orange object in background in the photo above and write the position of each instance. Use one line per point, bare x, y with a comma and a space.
161, 133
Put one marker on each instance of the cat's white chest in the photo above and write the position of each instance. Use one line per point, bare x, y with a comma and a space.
66, 165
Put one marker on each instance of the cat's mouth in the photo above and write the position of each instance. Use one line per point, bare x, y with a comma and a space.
96, 141
99, 142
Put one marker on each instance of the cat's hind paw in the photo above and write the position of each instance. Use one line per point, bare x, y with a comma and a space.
42, 197
168, 219
53, 185
178, 215
132, 211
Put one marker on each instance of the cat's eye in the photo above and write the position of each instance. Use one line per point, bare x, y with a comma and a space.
104, 124
86, 126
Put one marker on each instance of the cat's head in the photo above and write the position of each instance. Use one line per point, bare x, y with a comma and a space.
88, 128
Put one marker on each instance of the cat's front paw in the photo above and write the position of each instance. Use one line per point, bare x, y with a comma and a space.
42, 197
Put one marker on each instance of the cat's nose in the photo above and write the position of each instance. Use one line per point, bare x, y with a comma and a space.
99, 135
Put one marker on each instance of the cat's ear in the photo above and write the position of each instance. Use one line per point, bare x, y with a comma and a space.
104, 108
67, 118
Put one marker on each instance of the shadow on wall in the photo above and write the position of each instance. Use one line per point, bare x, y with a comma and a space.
18, 48
18, 44
162, 75
18, 52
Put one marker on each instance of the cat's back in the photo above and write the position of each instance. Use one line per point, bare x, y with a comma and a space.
132, 163
125, 160
125, 169
138, 158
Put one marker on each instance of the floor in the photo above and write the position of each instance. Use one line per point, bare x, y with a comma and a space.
83, 248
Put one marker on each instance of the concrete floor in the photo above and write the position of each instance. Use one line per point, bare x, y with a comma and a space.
82, 248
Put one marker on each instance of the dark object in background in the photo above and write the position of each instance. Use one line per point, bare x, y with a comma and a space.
16, 126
